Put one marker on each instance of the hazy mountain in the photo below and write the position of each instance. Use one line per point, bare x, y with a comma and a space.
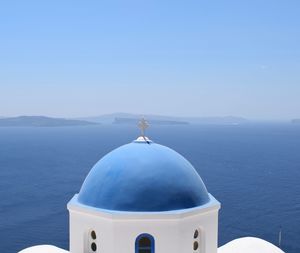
226, 120
134, 121
115, 118
41, 121
296, 121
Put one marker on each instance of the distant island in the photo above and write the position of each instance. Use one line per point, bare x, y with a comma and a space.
128, 118
41, 121
118, 118
134, 121
295, 121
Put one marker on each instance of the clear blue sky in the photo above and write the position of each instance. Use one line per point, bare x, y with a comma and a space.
194, 58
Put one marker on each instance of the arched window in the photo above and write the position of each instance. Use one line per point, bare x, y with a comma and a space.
144, 243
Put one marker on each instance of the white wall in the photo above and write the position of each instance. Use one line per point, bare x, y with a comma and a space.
117, 231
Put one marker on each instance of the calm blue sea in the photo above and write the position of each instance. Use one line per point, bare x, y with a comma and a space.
253, 170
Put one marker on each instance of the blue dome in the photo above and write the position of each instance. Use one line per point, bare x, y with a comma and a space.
143, 177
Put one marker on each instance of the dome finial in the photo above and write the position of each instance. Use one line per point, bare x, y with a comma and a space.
143, 125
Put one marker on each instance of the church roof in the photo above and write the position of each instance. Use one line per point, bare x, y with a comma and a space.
143, 177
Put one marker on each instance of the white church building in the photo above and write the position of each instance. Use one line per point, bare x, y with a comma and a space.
146, 198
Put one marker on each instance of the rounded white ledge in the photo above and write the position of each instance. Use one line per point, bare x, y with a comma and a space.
43, 249
249, 245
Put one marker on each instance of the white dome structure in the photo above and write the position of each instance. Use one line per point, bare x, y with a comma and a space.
143, 198
146, 198
249, 245
43, 249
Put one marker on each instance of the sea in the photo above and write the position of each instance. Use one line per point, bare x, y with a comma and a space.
252, 169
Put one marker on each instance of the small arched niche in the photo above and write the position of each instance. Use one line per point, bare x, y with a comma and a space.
198, 241
91, 241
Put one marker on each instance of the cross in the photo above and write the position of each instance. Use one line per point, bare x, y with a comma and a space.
143, 124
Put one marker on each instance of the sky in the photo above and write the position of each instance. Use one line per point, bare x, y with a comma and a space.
183, 58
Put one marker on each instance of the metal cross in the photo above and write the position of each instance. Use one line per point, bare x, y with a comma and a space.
143, 124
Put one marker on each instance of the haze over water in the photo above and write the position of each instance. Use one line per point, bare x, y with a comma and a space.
253, 170
195, 58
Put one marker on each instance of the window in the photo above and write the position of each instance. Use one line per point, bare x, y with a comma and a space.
94, 246
93, 235
196, 245
144, 244
196, 233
